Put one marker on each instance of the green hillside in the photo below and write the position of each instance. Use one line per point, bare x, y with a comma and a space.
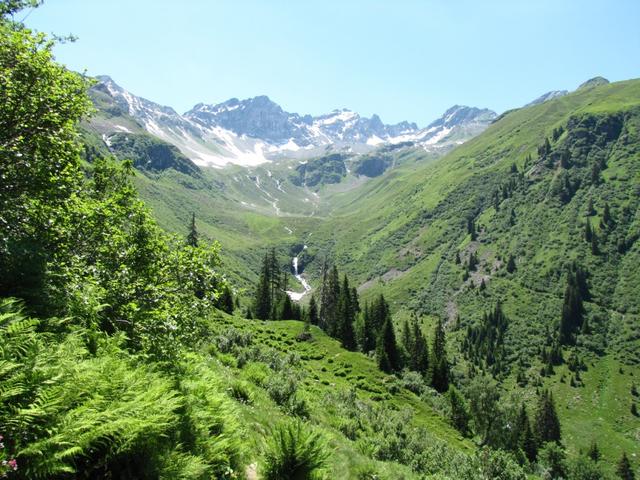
401, 234
146, 330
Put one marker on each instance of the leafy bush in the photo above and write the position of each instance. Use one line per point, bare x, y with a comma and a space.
294, 452
240, 391
64, 409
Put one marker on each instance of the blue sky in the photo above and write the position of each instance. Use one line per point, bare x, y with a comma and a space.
402, 59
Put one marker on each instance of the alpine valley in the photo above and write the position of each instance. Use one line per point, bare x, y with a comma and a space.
242, 292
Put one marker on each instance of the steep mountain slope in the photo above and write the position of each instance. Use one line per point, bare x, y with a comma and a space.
256, 130
528, 186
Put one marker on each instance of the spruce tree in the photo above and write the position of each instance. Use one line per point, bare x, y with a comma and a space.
525, 438
607, 221
312, 311
346, 316
471, 229
355, 300
588, 234
594, 244
438, 363
420, 353
387, 349
547, 424
378, 314
286, 309
623, 469
406, 342
572, 309
511, 264
333, 295
192, 236
594, 452
324, 296
263, 305
369, 333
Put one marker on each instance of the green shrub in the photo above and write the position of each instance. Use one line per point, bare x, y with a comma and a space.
294, 452
240, 392
257, 373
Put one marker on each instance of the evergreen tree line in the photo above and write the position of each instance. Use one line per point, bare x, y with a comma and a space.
484, 413
572, 316
484, 343
271, 301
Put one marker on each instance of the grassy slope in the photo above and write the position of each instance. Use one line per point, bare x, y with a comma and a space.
399, 233
327, 369
415, 221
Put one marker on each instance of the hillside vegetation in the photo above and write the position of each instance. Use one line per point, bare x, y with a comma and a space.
494, 331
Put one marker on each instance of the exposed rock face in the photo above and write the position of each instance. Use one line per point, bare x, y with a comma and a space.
256, 130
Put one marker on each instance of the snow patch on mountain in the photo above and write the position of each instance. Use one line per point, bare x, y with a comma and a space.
257, 130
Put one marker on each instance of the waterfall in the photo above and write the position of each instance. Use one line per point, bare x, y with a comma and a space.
298, 295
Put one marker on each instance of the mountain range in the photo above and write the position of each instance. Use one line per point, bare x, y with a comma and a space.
257, 130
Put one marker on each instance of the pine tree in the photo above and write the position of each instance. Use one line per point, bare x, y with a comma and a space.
192, 236
276, 289
606, 221
378, 314
406, 341
572, 309
387, 349
312, 311
324, 296
623, 469
355, 300
346, 316
471, 228
438, 363
369, 332
588, 234
333, 294
595, 173
286, 309
528, 443
594, 244
263, 305
420, 353
547, 424
594, 452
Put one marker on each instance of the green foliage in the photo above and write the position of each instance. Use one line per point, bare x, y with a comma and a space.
484, 344
552, 461
150, 154
387, 350
459, 416
39, 154
484, 405
67, 410
624, 469
584, 469
319, 171
438, 363
294, 452
547, 425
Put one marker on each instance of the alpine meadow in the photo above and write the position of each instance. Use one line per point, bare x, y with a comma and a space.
243, 292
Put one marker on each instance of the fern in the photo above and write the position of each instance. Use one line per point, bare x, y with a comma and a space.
294, 453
